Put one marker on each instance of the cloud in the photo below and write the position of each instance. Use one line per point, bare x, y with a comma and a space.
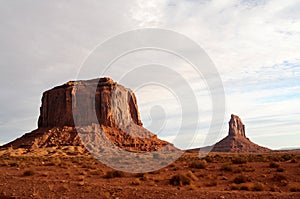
254, 45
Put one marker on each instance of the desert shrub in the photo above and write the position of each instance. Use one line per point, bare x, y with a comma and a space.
136, 181
226, 167
209, 159
191, 175
274, 188
54, 162
114, 174
239, 160
279, 169
201, 164
274, 165
28, 173
180, 179
211, 183
258, 187
241, 179
295, 187
278, 177
294, 160
237, 170
281, 179
287, 157
234, 187
246, 186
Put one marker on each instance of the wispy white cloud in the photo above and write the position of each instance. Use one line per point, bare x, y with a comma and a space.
254, 44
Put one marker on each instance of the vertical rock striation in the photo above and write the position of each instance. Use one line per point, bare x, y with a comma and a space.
97, 106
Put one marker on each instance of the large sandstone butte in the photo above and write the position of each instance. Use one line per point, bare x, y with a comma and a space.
102, 109
236, 140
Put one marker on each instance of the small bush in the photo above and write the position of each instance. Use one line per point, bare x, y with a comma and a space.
114, 174
246, 186
211, 183
294, 160
274, 165
201, 164
209, 159
234, 187
279, 169
279, 177
226, 167
28, 173
239, 160
136, 181
180, 179
274, 188
258, 187
295, 187
241, 179
287, 157
191, 175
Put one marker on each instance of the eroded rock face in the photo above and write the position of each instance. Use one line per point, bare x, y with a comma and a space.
236, 126
98, 106
104, 98
236, 140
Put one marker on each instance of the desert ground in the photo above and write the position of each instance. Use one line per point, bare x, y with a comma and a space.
67, 173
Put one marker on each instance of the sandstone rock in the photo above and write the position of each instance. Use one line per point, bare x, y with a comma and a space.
236, 141
236, 126
98, 107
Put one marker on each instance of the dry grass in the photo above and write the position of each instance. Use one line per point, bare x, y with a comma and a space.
28, 173
241, 179
200, 164
180, 179
294, 187
274, 165
226, 167
114, 174
239, 160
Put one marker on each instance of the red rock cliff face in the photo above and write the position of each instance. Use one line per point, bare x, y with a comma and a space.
98, 106
111, 102
236, 126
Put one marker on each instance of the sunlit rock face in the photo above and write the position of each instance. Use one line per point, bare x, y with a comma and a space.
97, 106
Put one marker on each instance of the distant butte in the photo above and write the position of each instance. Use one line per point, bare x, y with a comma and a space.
236, 140
117, 118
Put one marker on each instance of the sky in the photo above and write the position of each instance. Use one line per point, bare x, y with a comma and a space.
253, 44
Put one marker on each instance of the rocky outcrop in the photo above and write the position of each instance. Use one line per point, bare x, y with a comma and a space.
236, 141
236, 126
98, 106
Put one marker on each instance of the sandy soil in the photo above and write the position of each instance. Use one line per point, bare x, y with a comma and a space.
59, 173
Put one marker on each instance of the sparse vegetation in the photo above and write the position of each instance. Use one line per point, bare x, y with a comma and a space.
211, 183
180, 179
28, 173
278, 177
241, 179
226, 167
239, 160
294, 187
114, 174
279, 169
136, 181
196, 175
200, 164
274, 165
